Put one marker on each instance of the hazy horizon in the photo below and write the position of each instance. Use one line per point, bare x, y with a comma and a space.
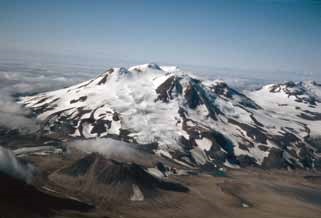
257, 36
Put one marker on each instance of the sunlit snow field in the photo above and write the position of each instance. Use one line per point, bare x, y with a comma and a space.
28, 74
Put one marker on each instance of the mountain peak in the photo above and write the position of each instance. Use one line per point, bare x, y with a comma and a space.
191, 121
303, 91
144, 67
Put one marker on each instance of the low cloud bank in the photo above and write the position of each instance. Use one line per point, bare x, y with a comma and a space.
21, 78
109, 148
11, 166
13, 116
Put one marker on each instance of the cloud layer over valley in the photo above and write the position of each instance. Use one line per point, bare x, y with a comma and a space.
13, 167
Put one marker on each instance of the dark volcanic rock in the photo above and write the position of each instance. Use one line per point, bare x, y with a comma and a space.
274, 160
81, 99
192, 97
309, 115
94, 170
245, 161
104, 79
22, 200
165, 90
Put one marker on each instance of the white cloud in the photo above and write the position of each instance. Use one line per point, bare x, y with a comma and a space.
13, 167
25, 78
107, 147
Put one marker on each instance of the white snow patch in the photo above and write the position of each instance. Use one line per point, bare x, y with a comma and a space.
155, 172
204, 143
137, 194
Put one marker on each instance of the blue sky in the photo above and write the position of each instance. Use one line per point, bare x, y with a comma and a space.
258, 34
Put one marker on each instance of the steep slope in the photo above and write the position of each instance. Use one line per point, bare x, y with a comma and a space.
19, 199
118, 181
194, 122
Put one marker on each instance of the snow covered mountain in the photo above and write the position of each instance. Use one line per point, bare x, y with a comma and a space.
297, 101
191, 121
